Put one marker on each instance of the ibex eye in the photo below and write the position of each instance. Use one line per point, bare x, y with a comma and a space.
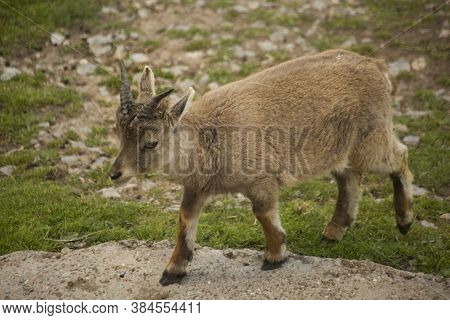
150, 145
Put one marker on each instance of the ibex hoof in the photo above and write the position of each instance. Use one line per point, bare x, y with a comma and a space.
267, 265
404, 229
170, 278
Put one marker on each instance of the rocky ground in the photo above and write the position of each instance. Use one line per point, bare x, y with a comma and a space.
198, 50
131, 270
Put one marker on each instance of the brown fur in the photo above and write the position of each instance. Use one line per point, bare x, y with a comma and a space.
329, 112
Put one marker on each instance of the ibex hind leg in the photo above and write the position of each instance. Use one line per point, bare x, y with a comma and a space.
264, 199
395, 163
402, 182
348, 182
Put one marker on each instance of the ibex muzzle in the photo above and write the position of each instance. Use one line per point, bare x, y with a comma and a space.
319, 114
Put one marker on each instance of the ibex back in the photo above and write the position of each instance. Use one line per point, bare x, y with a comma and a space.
317, 114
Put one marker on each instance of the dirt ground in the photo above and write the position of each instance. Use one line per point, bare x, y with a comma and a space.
131, 270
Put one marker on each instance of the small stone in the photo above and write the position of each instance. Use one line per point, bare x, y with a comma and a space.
99, 162
411, 140
56, 38
85, 68
398, 66
70, 160
109, 10
139, 58
9, 73
445, 216
400, 127
100, 44
279, 35
173, 208
177, 70
427, 224
240, 9
100, 50
349, 42
134, 35
319, 5
418, 191
185, 84
8, 170
44, 125
267, 46
203, 80
240, 53
418, 64
65, 250
213, 85
146, 185
143, 13
253, 5
110, 193
444, 33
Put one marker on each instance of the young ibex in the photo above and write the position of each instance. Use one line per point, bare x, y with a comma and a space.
329, 112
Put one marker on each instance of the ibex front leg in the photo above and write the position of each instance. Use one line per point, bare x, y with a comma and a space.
189, 213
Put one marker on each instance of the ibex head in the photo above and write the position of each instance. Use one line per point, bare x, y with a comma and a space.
144, 127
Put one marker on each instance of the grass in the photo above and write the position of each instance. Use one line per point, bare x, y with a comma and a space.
22, 100
19, 33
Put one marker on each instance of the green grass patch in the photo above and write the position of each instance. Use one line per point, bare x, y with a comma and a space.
429, 160
187, 34
18, 32
22, 100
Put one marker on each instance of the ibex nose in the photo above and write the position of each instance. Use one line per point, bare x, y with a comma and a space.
115, 175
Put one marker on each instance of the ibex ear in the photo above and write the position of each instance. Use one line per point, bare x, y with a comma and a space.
180, 108
147, 85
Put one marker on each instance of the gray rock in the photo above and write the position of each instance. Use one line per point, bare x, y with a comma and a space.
445, 216
44, 125
99, 39
143, 13
109, 10
241, 53
411, 140
213, 85
146, 185
134, 35
139, 58
185, 84
240, 8
313, 29
173, 208
418, 191
349, 42
398, 66
318, 5
110, 193
100, 44
8, 170
100, 50
99, 162
267, 45
70, 160
9, 73
279, 35
399, 127
85, 68
419, 64
427, 224
56, 38
177, 70
203, 81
